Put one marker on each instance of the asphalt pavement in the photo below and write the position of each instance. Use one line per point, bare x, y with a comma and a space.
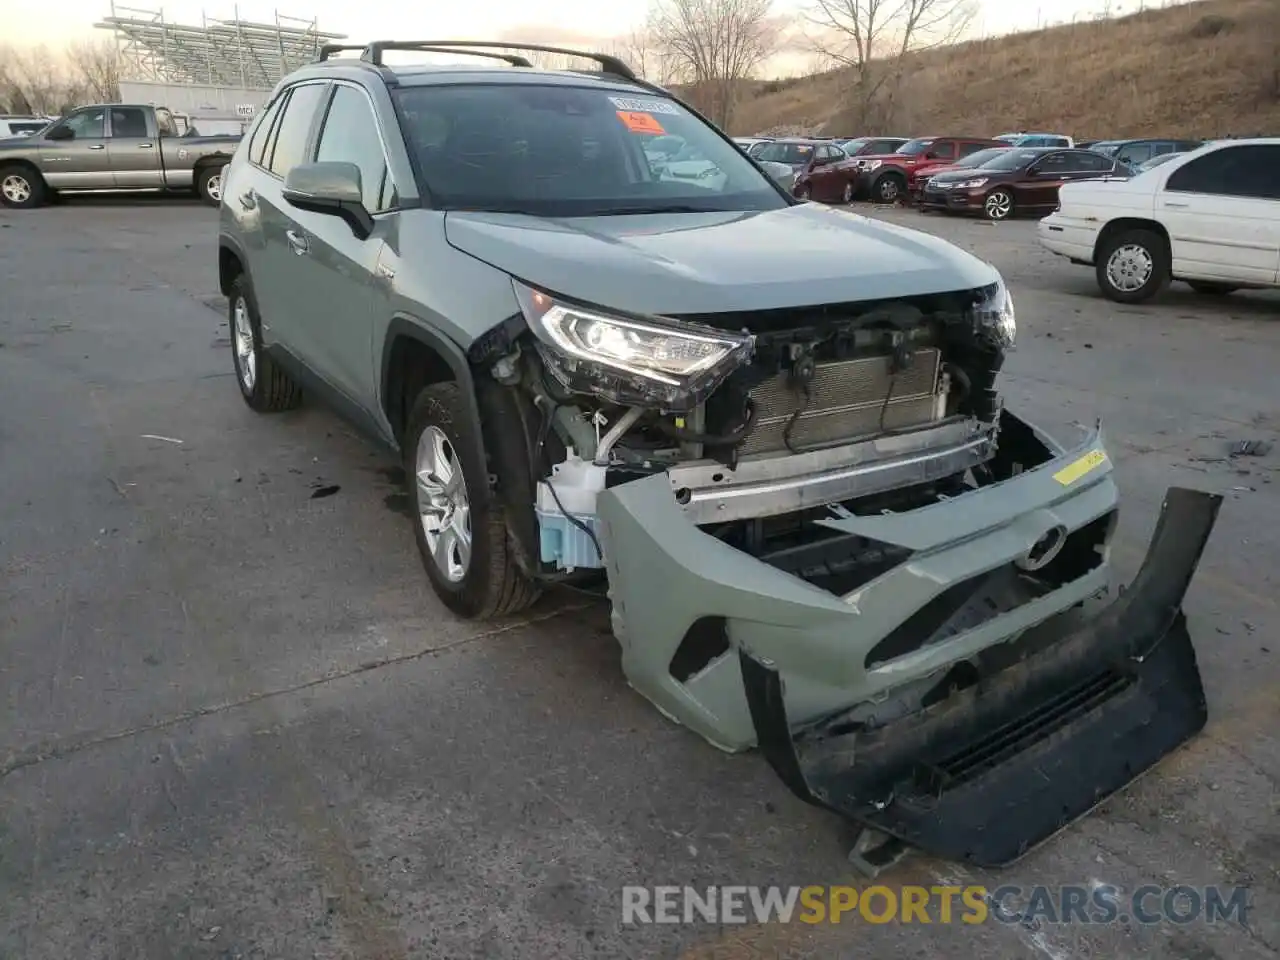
235, 723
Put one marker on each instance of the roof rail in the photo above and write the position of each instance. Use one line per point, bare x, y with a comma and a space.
430, 46
329, 49
609, 64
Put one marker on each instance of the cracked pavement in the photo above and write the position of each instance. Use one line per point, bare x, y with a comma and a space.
235, 723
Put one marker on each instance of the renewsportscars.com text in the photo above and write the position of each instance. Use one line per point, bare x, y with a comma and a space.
1069, 904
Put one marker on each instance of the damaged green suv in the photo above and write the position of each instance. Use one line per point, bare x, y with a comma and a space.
773, 428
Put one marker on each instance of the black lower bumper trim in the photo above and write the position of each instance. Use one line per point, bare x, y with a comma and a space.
997, 769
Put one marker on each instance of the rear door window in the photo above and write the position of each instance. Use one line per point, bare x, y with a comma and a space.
128, 122
944, 150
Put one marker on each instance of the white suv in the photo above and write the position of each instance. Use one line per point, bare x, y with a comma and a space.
1210, 217
21, 126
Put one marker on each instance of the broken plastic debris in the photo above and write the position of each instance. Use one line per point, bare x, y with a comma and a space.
152, 436
320, 492
1249, 448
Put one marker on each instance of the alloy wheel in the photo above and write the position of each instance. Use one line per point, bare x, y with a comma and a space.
16, 188
443, 507
246, 352
213, 186
998, 205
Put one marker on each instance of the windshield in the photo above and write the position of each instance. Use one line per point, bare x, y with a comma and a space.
565, 151
1011, 159
982, 156
914, 147
853, 146
793, 153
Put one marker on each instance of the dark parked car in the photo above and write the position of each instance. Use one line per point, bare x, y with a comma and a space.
919, 175
1021, 180
801, 155
1133, 153
834, 179
885, 177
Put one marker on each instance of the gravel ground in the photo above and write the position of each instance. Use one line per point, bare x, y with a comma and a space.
235, 722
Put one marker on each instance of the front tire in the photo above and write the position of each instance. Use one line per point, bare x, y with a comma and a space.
1133, 266
461, 534
1211, 289
21, 188
888, 188
998, 205
209, 185
263, 385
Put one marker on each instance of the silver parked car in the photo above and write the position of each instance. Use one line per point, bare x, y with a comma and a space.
774, 428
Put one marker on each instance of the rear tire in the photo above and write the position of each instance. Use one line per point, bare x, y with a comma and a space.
1210, 289
209, 184
468, 556
21, 188
263, 385
1132, 266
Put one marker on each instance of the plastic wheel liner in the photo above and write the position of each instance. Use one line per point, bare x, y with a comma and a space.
1001, 766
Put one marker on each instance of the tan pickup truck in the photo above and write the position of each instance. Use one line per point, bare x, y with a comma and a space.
112, 147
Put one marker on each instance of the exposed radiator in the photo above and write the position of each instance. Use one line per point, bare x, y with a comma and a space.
849, 400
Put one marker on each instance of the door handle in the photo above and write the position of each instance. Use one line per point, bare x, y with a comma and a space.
297, 241
97, 146
249, 201
1176, 203
144, 146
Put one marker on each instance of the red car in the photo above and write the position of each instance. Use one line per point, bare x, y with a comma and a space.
919, 175
885, 178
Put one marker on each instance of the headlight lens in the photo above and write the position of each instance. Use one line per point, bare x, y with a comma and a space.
972, 184
651, 362
994, 315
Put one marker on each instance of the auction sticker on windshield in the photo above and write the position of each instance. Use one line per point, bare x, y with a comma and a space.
645, 106
638, 122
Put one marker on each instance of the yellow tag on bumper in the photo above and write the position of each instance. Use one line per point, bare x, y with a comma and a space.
1074, 471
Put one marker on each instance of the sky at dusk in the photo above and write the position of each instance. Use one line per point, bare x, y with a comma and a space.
557, 20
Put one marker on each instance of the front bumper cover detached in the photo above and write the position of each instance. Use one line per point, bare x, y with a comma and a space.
1000, 767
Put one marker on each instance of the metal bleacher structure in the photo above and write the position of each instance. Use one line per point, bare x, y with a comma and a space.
237, 53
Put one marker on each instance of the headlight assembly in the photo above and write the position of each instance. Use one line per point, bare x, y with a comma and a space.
994, 315
971, 184
652, 362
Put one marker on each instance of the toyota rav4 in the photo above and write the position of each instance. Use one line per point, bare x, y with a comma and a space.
773, 429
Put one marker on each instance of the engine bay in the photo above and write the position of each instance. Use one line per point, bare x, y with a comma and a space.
812, 409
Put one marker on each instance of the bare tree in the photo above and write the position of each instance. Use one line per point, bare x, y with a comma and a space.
96, 64
871, 37
713, 45
640, 51
34, 79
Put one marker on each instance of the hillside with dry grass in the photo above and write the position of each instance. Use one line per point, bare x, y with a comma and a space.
1204, 69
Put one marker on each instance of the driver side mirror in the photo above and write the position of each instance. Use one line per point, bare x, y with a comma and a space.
62, 132
331, 187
